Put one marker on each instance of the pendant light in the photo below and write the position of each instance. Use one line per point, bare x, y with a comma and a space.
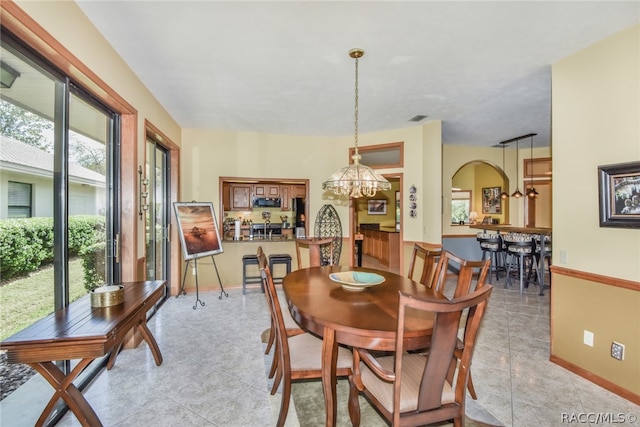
532, 191
356, 180
504, 194
517, 194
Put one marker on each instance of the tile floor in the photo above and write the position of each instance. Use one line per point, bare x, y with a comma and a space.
214, 370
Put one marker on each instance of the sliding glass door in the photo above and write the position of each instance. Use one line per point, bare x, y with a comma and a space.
58, 190
157, 212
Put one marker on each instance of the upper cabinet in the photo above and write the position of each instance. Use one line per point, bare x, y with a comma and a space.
266, 190
285, 194
298, 190
240, 196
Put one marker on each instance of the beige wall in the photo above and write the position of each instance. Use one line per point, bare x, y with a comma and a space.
208, 154
388, 220
455, 157
596, 113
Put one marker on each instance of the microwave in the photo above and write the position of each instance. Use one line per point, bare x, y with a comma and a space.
267, 202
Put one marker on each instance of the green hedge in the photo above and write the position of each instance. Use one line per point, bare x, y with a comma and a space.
27, 243
93, 265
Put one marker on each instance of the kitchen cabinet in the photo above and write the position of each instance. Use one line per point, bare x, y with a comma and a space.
266, 190
298, 191
382, 245
240, 197
226, 197
285, 194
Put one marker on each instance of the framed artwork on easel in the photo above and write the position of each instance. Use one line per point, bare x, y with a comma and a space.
198, 229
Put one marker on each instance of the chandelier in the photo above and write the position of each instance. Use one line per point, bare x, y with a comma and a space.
356, 180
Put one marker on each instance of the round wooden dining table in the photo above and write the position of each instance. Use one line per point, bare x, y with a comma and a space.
366, 318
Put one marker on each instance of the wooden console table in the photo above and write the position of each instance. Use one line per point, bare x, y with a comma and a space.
83, 332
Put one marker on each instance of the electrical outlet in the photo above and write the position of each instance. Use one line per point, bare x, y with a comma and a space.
617, 350
588, 338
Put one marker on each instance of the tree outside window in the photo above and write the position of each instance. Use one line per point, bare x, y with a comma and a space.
460, 206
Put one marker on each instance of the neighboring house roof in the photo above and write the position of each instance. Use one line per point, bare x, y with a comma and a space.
17, 156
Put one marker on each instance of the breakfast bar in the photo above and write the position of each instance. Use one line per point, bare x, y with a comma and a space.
540, 232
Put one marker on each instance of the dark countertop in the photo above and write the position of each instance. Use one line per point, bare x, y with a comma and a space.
378, 228
246, 239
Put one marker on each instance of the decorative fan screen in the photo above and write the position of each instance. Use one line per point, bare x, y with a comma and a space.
328, 225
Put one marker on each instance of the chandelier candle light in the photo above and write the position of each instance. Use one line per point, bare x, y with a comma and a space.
356, 180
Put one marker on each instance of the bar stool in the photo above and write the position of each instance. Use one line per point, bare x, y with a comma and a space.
276, 259
522, 249
543, 259
249, 260
494, 246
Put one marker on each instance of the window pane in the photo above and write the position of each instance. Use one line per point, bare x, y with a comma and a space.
87, 184
27, 148
460, 206
19, 200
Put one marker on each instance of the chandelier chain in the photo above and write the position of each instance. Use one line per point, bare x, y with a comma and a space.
356, 110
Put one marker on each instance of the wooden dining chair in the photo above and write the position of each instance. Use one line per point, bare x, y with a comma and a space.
315, 252
466, 272
299, 356
291, 327
411, 389
429, 256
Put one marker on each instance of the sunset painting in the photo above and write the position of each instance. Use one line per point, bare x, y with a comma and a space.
198, 229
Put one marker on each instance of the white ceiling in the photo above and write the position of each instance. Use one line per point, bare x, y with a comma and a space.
482, 67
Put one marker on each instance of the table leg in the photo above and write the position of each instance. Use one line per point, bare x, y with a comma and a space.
329, 380
148, 337
65, 389
151, 341
113, 355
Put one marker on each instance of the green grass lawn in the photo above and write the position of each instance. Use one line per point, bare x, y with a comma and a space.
28, 299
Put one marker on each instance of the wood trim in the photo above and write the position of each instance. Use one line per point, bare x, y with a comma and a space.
605, 280
25, 28
602, 382
140, 268
366, 148
128, 197
16, 21
173, 149
428, 245
530, 162
458, 236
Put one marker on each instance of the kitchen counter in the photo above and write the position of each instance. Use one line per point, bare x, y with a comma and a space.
246, 239
388, 230
381, 243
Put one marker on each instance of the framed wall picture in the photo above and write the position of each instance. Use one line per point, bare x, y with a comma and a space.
198, 229
491, 201
619, 194
377, 207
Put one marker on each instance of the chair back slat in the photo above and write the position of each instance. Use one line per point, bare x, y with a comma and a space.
465, 276
443, 344
430, 257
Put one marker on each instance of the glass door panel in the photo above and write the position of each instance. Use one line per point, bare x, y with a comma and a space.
157, 217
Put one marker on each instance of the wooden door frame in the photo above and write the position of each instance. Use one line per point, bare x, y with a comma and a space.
352, 222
